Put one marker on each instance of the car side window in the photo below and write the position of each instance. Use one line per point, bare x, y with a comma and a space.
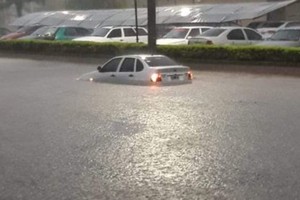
252, 35
139, 65
236, 34
204, 29
127, 65
194, 32
115, 33
142, 31
111, 66
129, 32
70, 32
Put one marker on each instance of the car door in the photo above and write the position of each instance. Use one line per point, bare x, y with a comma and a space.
126, 70
252, 36
236, 37
115, 35
108, 71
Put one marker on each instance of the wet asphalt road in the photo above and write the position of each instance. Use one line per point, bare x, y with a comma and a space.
225, 136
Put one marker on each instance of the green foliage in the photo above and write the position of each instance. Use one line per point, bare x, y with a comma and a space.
193, 52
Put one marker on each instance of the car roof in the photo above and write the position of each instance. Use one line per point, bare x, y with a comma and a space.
120, 27
192, 27
66, 26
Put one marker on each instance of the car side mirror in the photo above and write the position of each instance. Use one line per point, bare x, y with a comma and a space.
99, 68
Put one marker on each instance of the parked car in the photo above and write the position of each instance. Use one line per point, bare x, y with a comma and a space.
268, 28
64, 33
36, 34
148, 69
228, 36
27, 30
116, 34
286, 37
4, 31
180, 35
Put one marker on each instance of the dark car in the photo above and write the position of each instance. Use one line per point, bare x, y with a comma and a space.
64, 33
26, 30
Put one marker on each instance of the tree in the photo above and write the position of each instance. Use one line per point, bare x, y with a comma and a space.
19, 4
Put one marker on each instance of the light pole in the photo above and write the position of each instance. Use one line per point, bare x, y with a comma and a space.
136, 21
151, 25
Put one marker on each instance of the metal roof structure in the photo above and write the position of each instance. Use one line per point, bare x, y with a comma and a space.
200, 13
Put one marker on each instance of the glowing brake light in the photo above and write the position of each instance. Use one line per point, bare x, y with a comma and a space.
155, 77
190, 75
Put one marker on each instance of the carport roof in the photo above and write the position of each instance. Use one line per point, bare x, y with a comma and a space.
200, 13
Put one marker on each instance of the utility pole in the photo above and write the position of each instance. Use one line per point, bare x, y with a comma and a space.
151, 25
136, 21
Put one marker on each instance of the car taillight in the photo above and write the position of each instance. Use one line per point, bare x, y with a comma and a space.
209, 42
190, 75
155, 78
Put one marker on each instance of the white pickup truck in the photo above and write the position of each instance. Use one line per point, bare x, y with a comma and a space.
116, 34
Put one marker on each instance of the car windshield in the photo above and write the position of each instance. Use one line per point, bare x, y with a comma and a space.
159, 61
215, 32
40, 31
177, 33
101, 32
286, 35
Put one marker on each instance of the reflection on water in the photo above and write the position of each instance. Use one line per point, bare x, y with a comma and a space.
160, 144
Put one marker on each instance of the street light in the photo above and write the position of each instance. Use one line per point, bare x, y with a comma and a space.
136, 22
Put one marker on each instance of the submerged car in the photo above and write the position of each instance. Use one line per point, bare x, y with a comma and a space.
286, 37
149, 69
228, 36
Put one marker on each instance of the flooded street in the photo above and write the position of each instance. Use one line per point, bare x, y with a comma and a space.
225, 136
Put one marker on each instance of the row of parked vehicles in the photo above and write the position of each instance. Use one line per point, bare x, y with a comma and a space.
257, 33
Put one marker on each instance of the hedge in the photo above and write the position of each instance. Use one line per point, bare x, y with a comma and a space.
194, 52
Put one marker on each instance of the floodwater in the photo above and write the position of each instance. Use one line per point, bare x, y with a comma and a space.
225, 136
